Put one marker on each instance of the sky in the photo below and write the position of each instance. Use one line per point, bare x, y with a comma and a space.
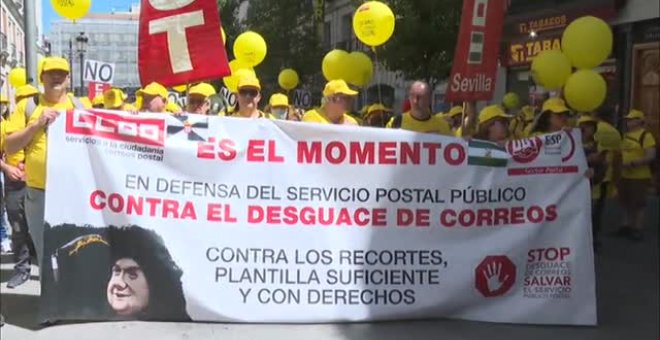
98, 6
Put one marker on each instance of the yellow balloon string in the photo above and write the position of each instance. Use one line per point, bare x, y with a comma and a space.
380, 97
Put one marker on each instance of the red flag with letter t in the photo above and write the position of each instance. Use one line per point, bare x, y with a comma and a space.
180, 42
474, 71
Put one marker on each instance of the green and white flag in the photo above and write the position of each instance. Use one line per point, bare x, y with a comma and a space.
485, 153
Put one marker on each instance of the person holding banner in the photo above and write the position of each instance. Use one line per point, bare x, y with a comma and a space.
199, 99
279, 106
26, 130
638, 151
153, 98
493, 125
554, 117
249, 95
336, 102
420, 118
114, 99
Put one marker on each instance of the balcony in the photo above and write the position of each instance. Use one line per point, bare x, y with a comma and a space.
3, 41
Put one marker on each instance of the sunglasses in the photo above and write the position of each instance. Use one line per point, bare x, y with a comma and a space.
338, 99
248, 92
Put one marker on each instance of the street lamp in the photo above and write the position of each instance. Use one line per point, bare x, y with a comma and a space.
81, 44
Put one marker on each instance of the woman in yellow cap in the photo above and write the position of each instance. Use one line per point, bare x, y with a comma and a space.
554, 117
199, 98
638, 151
493, 125
336, 102
153, 98
377, 115
278, 106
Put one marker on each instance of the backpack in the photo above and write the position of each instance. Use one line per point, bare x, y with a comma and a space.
31, 106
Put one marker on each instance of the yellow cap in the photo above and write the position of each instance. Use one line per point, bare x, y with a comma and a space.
378, 107
249, 81
26, 91
338, 86
278, 99
202, 89
173, 107
491, 112
555, 105
586, 119
113, 98
634, 114
154, 89
97, 100
456, 110
4, 99
55, 63
528, 113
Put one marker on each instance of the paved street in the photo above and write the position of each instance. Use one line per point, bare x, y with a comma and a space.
627, 309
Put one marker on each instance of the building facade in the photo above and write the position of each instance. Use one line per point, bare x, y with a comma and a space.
111, 38
12, 40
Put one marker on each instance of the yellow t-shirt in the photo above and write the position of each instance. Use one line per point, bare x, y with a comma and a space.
35, 152
315, 116
632, 149
2, 136
262, 114
609, 140
435, 124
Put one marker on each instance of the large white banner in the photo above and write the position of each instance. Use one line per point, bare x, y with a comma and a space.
223, 219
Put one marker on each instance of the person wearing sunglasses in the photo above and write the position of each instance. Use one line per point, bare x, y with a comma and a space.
199, 98
249, 95
336, 102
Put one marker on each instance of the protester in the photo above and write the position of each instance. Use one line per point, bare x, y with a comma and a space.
26, 130
115, 99
153, 98
4, 106
493, 125
249, 96
335, 104
420, 118
279, 106
454, 117
199, 99
638, 151
554, 117
596, 160
377, 115
26, 91
173, 108
97, 101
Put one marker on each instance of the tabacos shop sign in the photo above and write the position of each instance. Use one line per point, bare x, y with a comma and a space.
522, 52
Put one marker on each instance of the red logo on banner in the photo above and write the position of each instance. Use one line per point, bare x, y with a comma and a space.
473, 73
180, 42
94, 89
116, 127
524, 150
495, 276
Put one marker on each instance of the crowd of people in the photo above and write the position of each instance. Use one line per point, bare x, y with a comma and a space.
620, 163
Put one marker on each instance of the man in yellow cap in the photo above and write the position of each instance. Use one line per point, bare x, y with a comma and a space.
26, 130
336, 102
638, 151
420, 118
114, 99
377, 115
279, 106
153, 98
199, 98
26, 91
249, 95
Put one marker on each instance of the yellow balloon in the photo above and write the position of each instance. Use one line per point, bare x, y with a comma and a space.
250, 48
511, 101
335, 64
373, 23
550, 69
587, 42
180, 88
585, 90
238, 69
288, 79
224, 35
17, 77
361, 69
71, 9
